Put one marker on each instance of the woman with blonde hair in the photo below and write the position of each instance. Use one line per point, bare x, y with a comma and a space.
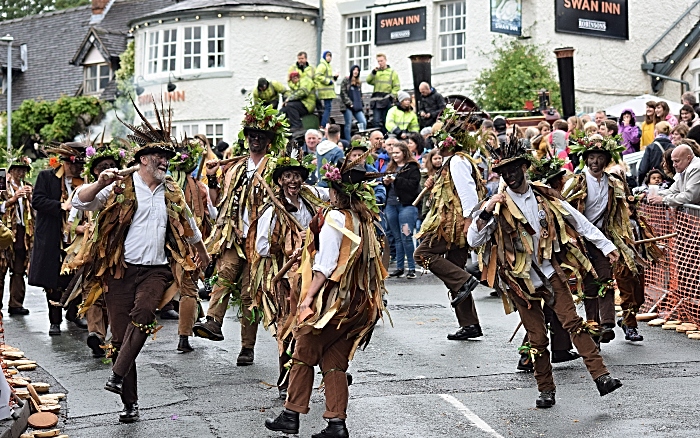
575, 124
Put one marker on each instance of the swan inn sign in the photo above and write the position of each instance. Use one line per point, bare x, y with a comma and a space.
400, 26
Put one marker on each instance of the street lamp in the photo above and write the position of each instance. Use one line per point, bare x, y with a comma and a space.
8, 39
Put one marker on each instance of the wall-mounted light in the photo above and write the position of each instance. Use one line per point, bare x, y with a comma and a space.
196, 17
145, 24
137, 26
306, 20
287, 18
218, 15
243, 91
138, 88
265, 58
242, 17
160, 21
266, 17
171, 86
177, 19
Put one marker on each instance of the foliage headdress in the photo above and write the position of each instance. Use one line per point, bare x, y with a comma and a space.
546, 169
148, 138
268, 121
460, 131
117, 150
187, 155
14, 158
353, 179
582, 145
293, 160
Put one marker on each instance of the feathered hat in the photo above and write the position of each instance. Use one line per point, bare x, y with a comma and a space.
511, 151
292, 158
73, 152
150, 139
353, 179
583, 146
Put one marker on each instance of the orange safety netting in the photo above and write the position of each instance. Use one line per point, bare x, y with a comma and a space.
673, 285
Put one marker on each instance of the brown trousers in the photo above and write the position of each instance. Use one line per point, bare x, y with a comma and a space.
133, 299
631, 289
561, 341
97, 317
329, 349
534, 322
17, 286
189, 300
448, 266
598, 309
232, 269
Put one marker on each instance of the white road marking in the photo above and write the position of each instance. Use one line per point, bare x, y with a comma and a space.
471, 416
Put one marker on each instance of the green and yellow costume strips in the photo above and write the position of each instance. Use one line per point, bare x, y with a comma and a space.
359, 271
445, 219
510, 252
102, 253
617, 225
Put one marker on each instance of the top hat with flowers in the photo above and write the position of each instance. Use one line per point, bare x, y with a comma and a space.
117, 150
353, 179
584, 145
266, 120
71, 152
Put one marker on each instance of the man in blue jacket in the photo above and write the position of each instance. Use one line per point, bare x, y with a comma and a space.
328, 151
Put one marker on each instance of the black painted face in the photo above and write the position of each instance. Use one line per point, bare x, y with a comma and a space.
291, 182
596, 162
258, 142
513, 175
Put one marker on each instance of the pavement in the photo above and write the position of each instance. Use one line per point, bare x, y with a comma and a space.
409, 382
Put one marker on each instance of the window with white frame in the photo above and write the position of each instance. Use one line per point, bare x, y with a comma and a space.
169, 50
193, 48
358, 40
215, 46
190, 130
214, 132
96, 78
452, 31
153, 52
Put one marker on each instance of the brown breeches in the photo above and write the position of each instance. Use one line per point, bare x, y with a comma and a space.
598, 309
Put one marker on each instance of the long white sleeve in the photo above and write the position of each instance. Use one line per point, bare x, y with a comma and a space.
461, 173
326, 259
94, 205
476, 237
265, 224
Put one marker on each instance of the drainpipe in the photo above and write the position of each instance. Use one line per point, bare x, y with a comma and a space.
657, 78
319, 31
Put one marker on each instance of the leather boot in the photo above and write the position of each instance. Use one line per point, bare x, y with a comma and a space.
114, 383
183, 344
525, 363
245, 357
130, 413
210, 329
468, 332
607, 384
95, 341
464, 292
335, 429
546, 399
286, 422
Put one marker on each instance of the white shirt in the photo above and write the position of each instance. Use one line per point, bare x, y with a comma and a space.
461, 173
145, 240
326, 259
19, 213
266, 222
527, 203
596, 199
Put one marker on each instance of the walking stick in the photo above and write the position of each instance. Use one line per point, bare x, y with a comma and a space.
287, 266
420, 195
656, 239
276, 201
520, 324
497, 208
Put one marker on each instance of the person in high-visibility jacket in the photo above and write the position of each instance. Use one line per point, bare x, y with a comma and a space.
325, 85
401, 119
386, 87
300, 101
269, 92
302, 67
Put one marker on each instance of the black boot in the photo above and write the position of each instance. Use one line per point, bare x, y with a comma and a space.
210, 329
607, 333
466, 290
607, 384
245, 357
183, 344
95, 341
130, 413
559, 356
335, 429
468, 332
525, 363
55, 330
546, 399
169, 314
286, 422
631, 333
114, 383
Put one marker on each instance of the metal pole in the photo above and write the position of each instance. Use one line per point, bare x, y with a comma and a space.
9, 97
319, 30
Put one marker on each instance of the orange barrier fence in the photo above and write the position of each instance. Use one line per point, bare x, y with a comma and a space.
673, 285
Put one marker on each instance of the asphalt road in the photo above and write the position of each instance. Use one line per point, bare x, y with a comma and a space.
409, 382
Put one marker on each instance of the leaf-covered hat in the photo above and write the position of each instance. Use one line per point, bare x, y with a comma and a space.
353, 179
117, 150
268, 121
187, 155
514, 150
583, 146
295, 161
150, 139
546, 169
14, 159
459, 131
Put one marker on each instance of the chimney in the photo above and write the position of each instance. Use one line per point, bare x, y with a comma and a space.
99, 6
420, 66
565, 65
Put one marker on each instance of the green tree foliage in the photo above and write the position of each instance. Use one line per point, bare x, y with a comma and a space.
10, 9
518, 71
125, 92
41, 121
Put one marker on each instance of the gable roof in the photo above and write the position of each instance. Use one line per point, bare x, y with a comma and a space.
284, 6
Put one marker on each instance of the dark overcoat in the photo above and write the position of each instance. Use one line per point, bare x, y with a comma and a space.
47, 254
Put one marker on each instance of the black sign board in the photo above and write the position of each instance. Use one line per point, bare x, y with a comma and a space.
604, 19
400, 26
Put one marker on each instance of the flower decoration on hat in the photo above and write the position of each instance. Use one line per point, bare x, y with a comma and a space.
71, 152
188, 155
293, 160
267, 120
353, 179
546, 169
116, 150
582, 145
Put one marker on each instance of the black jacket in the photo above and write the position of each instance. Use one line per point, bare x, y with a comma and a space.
432, 104
653, 155
407, 183
47, 254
